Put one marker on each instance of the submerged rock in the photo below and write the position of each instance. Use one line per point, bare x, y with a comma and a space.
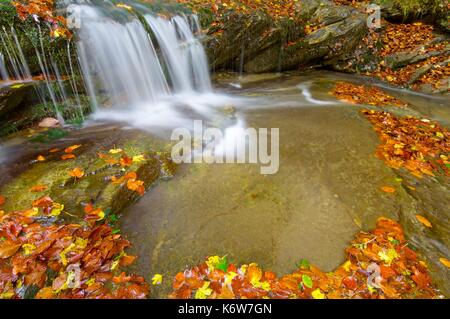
51, 173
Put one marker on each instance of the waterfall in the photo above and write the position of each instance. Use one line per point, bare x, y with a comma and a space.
134, 66
3, 72
123, 61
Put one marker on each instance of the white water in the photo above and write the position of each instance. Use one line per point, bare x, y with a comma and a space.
3, 72
151, 80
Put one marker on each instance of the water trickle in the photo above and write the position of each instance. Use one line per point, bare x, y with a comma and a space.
3, 72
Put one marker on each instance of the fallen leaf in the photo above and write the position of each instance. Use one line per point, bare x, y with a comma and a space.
38, 188
68, 156
115, 151
157, 279
138, 158
317, 294
424, 221
445, 262
2, 200
70, 149
388, 189
77, 172
40, 158
8, 248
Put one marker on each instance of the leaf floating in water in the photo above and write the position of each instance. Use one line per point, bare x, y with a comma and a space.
424, 221
40, 158
445, 262
388, 189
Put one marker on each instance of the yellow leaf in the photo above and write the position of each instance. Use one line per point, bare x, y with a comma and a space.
388, 256
6, 295
347, 265
62, 255
229, 277
138, 158
317, 294
40, 158
124, 6
115, 151
445, 262
203, 292
28, 248
424, 221
157, 279
115, 264
90, 282
56, 209
212, 262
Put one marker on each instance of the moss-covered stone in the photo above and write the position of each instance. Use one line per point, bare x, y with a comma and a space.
29, 36
94, 187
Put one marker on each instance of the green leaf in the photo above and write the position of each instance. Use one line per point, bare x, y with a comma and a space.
113, 218
307, 281
303, 264
115, 231
223, 264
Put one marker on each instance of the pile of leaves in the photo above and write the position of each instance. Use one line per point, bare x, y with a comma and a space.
419, 145
400, 38
40, 258
275, 8
405, 37
44, 10
379, 265
362, 94
115, 157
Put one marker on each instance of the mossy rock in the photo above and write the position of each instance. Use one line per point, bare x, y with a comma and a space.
94, 187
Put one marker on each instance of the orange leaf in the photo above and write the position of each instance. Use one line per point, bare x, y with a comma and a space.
2, 200
126, 161
70, 149
40, 158
8, 248
88, 208
38, 188
54, 150
130, 175
388, 189
136, 185
127, 260
424, 221
68, 156
45, 201
77, 172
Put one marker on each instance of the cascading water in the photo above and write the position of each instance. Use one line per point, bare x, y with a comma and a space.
146, 70
136, 67
3, 72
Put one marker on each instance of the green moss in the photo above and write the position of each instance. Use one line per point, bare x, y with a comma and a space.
417, 8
